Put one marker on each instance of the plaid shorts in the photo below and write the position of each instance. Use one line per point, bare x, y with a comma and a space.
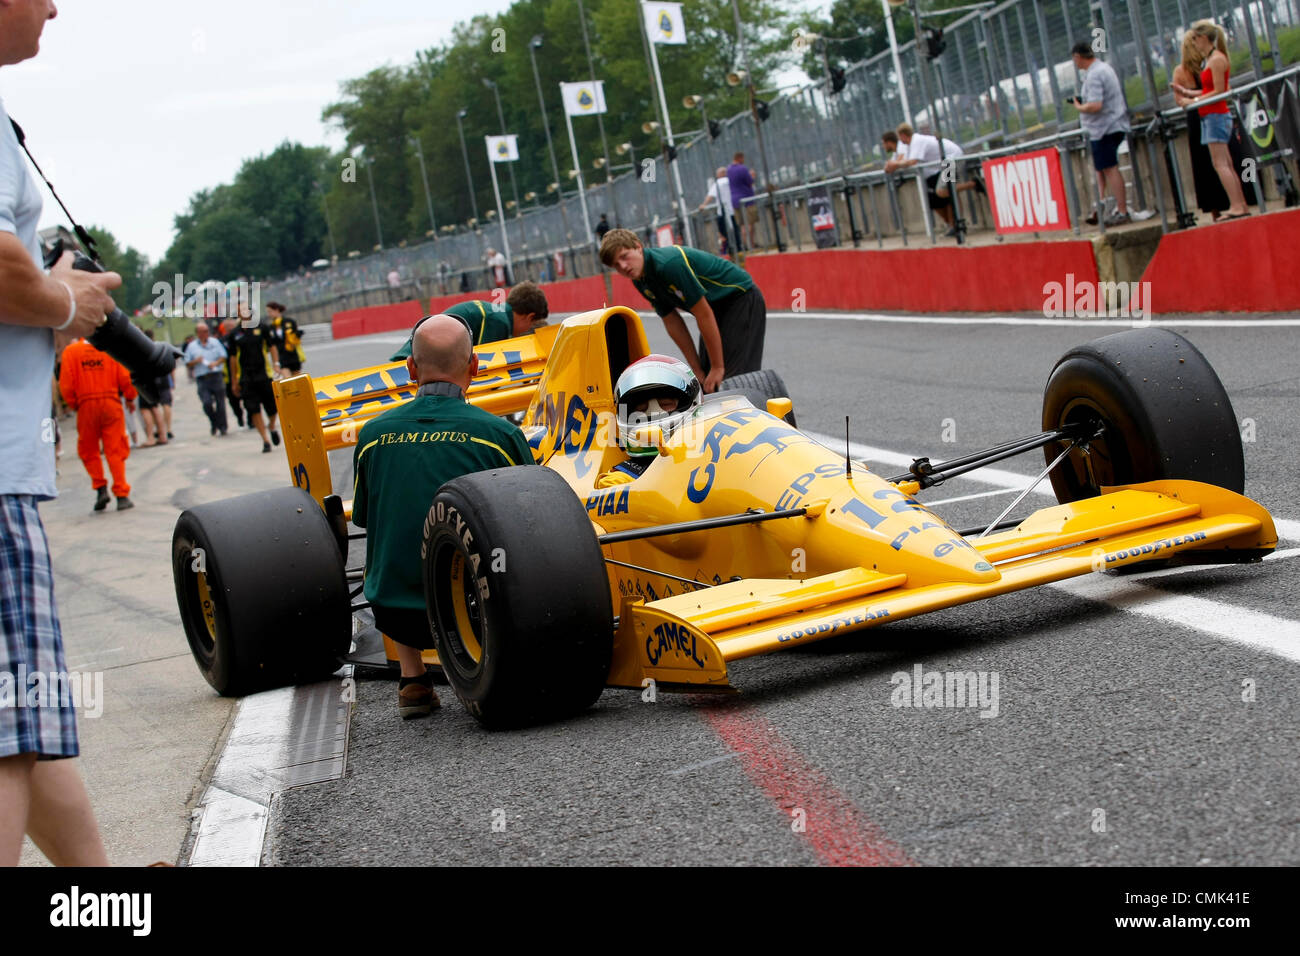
32, 641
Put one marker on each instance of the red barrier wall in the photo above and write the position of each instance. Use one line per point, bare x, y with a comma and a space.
1003, 278
376, 318
576, 295
1242, 266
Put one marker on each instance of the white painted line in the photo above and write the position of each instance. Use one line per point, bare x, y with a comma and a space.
1031, 320
378, 338
1010, 480
1287, 529
978, 494
1253, 629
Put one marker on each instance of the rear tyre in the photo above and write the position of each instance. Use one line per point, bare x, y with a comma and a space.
261, 589
758, 387
518, 596
1163, 408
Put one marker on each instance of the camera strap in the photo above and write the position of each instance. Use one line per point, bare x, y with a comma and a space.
86, 239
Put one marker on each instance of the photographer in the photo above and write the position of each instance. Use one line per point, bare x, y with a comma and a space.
40, 794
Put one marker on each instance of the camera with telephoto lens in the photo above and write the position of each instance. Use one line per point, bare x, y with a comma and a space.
144, 358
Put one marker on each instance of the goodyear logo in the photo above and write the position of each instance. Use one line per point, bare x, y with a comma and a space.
827, 628
678, 639
1155, 546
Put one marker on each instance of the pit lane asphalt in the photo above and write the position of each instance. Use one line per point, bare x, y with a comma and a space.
1099, 709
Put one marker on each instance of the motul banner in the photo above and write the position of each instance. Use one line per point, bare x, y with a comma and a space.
1027, 192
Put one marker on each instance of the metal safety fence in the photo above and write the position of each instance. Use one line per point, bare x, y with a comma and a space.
998, 86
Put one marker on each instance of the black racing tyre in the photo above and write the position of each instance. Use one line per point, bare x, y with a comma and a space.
262, 591
518, 596
758, 387
1165, 413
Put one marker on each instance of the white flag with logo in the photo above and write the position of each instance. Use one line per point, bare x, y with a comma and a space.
663, 22
583, 99
502, 149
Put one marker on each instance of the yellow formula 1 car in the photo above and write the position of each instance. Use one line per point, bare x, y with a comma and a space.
743, 535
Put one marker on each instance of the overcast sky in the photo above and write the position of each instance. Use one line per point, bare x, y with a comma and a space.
134, 105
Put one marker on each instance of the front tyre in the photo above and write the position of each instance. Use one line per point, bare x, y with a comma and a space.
517, 595
1164, 412
261, 590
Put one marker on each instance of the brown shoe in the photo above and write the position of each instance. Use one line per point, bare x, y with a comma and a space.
417, 699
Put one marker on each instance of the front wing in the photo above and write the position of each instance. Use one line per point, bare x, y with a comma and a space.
688, 639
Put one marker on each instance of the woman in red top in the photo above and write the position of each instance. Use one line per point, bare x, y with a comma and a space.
1216, 120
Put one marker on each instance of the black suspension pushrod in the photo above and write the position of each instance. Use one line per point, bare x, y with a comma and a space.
703, 524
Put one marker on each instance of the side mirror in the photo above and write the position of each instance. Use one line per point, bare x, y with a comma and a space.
780, 407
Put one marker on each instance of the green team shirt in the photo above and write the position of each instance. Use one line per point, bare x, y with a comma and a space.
401, 459
488, 322
676, 277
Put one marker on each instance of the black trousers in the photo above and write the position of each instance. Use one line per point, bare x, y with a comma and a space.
210, 388
742, 323
404, 625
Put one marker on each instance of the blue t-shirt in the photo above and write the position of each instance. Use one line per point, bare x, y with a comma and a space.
26, 354
214, 351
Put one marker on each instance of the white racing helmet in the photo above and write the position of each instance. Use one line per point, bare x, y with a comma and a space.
659, 390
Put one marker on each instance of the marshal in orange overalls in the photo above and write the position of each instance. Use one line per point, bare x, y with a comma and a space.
93, 385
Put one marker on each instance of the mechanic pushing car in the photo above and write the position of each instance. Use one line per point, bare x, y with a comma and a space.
402, 458
525, 308
728, 308
655, 390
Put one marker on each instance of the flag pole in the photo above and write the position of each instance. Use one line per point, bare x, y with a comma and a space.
582, 188
501, 213
668, 133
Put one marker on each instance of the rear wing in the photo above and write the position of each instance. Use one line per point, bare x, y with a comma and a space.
320, 415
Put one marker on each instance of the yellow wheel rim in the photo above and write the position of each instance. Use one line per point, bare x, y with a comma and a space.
460, 583
205, 602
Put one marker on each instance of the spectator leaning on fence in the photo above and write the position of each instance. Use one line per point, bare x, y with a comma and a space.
1103, 112
1216, 119
923, 149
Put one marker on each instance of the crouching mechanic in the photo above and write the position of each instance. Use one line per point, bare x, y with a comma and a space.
402, 458
656, 390
728, 308
525, 308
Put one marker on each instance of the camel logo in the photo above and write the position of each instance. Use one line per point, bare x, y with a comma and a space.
776, 436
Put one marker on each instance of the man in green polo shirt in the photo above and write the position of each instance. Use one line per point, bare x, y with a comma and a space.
524, 309
727, 306
401, 459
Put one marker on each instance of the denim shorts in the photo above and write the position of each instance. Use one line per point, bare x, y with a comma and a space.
1216, 128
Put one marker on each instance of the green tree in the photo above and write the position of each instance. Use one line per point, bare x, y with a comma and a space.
130, 263
857, 31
